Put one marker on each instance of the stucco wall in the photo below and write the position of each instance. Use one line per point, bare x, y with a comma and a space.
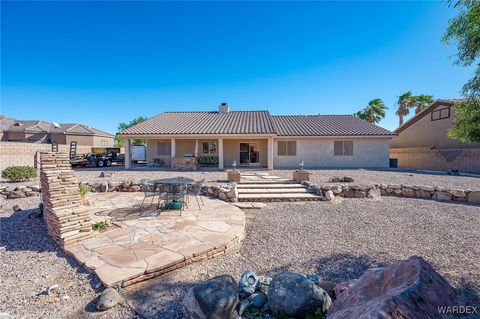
152, 151
231, 149
318, 152
425, 133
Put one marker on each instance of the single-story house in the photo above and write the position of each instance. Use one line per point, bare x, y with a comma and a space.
38, 131
423, 141
258, 139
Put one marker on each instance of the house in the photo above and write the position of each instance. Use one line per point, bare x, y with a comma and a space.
258, 139
38, 131
423, 143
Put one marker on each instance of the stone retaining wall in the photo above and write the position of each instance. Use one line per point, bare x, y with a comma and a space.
67, 219
410, 191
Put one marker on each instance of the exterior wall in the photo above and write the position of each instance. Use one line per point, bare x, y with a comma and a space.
97, 141
425, 133
152, 151
19, 153
231, 150
318, 152
15, 136
466, 160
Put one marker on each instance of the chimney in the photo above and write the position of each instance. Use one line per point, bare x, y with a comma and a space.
223, 108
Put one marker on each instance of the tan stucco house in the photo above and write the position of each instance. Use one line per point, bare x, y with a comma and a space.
423, 142
259, 139
38, 131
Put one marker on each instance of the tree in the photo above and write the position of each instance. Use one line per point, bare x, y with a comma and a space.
404, 103
374, 112
420, 102
464, 31
120, 140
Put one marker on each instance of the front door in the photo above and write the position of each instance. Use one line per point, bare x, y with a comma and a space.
249, 154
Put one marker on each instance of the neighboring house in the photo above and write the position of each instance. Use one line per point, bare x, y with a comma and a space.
38, 131
423, 142
258, 139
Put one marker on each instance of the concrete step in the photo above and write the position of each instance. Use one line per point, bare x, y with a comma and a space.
277, 197
272, 190
264, 181
263, 185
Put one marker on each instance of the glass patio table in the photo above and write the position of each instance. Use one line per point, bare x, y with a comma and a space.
175, 189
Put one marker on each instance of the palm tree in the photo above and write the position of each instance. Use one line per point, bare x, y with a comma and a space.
405, 101
421, 102
374, 112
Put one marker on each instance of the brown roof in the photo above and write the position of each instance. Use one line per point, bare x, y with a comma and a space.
431, 107
78, 129
255, 122
326, 125
234, 122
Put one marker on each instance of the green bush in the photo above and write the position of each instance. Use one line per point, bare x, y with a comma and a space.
84, 189
19, 173
100, 226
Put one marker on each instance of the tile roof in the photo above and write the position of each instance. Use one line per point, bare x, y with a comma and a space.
255, 122
233, 122
77, 129
326, 125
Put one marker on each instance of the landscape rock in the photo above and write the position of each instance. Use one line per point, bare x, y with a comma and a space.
441, 196
248, 283
257, 299
109, 298
16, 208
329, 195
106, 174
374, 193
215, 298
134, 188
360, 194
458, 193
293, 295
348, 179
4, 315
222, 196
407, 289
10, 189
15, 194
35, 188
408, 192
104, 187
329, 287
264, 283
474, 196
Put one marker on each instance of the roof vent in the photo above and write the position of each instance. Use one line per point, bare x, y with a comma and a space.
223, 108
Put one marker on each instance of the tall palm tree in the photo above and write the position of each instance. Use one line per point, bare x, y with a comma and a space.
374, 112
421, 102
405, 101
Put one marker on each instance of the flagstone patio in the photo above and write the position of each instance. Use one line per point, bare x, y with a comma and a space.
150, 243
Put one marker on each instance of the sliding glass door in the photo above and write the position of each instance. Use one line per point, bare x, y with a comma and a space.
249, 153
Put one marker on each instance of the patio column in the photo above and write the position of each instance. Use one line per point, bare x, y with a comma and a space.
196, 148
220, 153
270, 153
128, 158
173, 151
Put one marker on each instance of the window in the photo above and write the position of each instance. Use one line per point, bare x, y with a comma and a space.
104, 143
287, 148
209, 147
441, 114
343, 148
164, 148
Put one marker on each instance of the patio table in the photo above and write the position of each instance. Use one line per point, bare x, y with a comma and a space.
175, 188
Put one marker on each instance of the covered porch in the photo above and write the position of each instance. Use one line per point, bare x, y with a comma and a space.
193, 152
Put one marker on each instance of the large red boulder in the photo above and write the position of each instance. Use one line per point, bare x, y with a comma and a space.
407, 289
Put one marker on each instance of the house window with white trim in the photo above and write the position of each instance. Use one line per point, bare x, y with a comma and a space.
209, 148
287, 148
104, 143
342, 148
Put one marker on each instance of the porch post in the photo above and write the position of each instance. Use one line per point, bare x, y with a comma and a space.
220, 153
128, 158
270, 153
173, 151
196, 148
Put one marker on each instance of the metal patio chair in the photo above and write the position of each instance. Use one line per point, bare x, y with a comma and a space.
149, 190
195, 190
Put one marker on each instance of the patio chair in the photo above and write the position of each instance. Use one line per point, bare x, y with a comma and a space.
149, 191
195, 189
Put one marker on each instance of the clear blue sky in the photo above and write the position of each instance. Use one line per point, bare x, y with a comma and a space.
102, 63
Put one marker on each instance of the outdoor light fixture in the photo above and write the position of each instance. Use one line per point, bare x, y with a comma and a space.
301, 165
234, 164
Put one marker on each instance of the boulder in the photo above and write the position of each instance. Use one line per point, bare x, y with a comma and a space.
134, 188
348, 179
248, 283
109, 298
103, 187
441, 196
257, 299
474, 196
106, 174
408, 192
360, 194
349, 193
329, 287
264, 283
35, 189
407, 289
423, 194
292, 295
458, 193
374, 193
16, 208
10, 189
329, 195
215, 298
222, 196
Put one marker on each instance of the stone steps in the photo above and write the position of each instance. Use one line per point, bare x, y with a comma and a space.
269, 185
278, 197
264, 181
272, 190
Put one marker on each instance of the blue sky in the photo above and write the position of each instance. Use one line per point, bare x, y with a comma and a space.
102, 63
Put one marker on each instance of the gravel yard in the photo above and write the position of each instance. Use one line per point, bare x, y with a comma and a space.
338, 240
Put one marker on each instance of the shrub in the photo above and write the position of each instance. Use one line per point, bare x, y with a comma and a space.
100, 226
84, 189
19, 173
